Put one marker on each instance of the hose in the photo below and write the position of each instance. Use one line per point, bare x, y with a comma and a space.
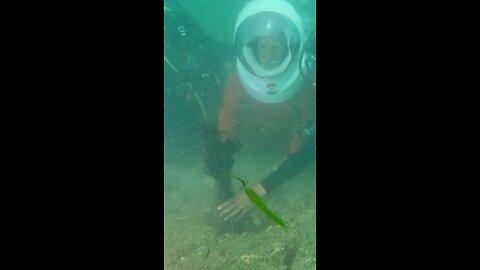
199, 101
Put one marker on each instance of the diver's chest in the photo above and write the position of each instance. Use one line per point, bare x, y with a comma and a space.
270, 118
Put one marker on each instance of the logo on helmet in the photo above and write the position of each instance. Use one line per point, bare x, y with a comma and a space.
271, 88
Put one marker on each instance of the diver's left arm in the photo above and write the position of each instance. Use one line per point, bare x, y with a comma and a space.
302, 147
293, 165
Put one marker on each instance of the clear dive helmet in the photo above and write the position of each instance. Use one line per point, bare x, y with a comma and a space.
268, 41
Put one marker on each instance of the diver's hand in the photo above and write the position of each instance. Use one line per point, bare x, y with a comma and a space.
239, 204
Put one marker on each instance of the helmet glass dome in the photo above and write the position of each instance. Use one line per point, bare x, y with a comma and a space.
267, 43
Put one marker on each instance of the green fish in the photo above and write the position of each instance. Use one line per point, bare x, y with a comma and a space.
258, 202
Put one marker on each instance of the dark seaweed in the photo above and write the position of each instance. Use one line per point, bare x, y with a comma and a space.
218, 157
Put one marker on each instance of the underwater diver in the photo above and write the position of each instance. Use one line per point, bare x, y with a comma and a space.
275, 75
194, 63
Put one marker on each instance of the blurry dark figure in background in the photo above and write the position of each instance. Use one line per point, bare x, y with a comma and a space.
195, 68
309, 59
193, 61
198, 68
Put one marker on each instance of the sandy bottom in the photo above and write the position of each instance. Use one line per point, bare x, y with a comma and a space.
196, 238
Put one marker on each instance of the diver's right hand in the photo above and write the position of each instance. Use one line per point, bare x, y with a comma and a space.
237, 206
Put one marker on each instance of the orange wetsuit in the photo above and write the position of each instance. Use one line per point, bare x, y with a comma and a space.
291, 116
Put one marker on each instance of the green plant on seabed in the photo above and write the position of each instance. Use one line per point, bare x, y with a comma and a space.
257, 201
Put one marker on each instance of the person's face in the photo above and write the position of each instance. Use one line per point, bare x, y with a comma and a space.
270, 51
